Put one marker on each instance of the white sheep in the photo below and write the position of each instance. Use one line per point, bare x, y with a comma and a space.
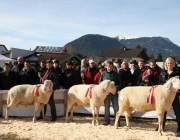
29, 95
134, 99
77, 97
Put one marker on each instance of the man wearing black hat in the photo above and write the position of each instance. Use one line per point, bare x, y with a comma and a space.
58, 69
118, 64
50, 74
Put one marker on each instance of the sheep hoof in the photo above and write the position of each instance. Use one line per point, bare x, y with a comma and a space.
116, 126
159, 133
34, 120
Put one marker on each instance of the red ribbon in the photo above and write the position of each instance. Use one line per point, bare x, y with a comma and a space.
35, 88
89, 91
150, 96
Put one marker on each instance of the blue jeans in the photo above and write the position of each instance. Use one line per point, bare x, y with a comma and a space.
114, 99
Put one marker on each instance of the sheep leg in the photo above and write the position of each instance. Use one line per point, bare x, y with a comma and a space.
127, 114
42, 108
118, 114
160, 115
7, 113
69, 106
7, 110
72, 110
97, 115
93, 115
36, 105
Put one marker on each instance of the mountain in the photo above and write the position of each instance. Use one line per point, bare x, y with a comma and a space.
153, 45
93, 45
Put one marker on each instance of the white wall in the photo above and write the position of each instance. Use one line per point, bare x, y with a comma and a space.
19, 52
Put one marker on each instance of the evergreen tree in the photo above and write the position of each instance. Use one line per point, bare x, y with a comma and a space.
159, 57
151, 56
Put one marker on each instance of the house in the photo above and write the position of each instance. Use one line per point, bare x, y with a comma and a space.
123, 54
3, 48
47, 52
13, 53
42, 53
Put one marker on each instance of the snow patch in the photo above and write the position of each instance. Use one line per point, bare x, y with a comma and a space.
126, 37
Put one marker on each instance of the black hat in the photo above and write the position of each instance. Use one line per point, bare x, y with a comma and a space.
56, 61
49, 61
133, 61
117, 61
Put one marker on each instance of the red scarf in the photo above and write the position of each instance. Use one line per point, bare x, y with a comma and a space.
89, 91
36, 93
44, 76
150, 96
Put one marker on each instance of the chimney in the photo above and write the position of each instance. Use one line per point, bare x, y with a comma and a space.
124, 48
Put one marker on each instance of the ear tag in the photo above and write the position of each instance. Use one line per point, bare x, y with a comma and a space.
15, 91
121, 97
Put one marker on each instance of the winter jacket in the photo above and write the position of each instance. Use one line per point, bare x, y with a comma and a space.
27, 76
126, 77
89, 74
53, 76
156, 72
69, 78
7, 80
96, 78
137, 76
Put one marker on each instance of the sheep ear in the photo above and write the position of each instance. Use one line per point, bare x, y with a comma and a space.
106, 86
112, 84
44, 87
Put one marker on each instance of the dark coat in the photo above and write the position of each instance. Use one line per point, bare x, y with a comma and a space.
137, 76
126, 77
54, 77
27, 77
59, 71
7, 81
17, 69
70, 78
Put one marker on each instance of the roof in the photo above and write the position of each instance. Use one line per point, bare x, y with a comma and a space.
4, 46
50, 49
122, 52
177, 58
46, 56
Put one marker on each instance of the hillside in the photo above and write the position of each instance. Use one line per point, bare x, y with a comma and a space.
92, 45
154, 45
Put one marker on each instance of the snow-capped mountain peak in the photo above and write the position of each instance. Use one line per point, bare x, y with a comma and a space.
126, 37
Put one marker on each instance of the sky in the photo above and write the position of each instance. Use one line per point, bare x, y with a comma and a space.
26, 24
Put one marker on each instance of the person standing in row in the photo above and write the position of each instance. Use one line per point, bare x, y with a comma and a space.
171, 71
69, 76
7, 78
137, 75
50, 74
90, 72
17, 68
58, 69
27, 75
109, 74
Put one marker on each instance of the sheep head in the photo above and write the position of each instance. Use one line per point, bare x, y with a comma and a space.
48, 86
173, 82
108, 86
